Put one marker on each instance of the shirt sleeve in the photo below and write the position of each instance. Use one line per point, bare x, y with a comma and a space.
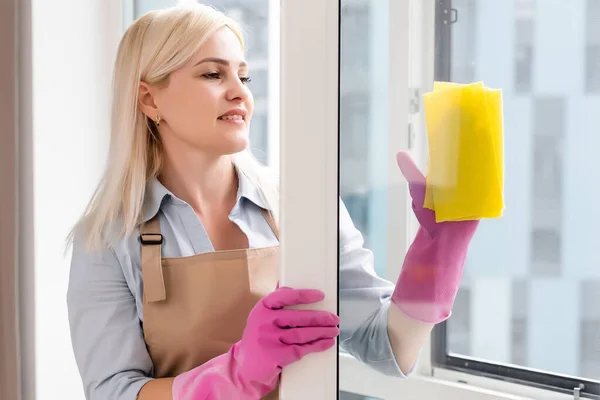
106, 334
364, 302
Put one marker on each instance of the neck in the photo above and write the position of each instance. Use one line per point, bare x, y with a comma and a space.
207, 183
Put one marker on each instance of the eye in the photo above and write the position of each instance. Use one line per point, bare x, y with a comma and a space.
212, 75
245, 79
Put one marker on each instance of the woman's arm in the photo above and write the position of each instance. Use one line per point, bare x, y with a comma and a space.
407, 337
157, 389
106, 335
372, 329
431, 271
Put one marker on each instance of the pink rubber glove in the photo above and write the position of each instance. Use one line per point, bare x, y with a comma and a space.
431, 273
274, 337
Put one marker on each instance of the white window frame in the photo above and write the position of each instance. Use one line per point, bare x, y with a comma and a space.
309, 129
309, 174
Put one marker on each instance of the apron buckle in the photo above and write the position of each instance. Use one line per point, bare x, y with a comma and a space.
151, 238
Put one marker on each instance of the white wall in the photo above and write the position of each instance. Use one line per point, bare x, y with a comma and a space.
73, 44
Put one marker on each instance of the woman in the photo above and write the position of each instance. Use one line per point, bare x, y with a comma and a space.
173, 289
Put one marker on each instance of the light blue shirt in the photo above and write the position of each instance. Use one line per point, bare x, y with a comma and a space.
105, 293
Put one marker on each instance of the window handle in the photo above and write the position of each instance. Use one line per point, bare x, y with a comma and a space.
453, 15
577, 391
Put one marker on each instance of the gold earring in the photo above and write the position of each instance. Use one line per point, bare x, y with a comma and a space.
157, 120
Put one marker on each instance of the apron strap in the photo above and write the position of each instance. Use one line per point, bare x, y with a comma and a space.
271, 221
152, 271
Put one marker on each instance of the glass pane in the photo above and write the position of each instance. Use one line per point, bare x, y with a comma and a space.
531, 283
361, 125
253, 15
365, 233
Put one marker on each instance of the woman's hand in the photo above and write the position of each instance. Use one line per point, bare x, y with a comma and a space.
416, 186
433, 266
274, 337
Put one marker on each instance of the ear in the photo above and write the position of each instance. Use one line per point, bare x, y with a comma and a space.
146, 101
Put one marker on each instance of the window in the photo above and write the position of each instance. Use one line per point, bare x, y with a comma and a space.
524, 35
546, 181
372, 70
520, 305
464, 40
592, 47
364, 120
590, 328
356, 116
529, 307
530, 280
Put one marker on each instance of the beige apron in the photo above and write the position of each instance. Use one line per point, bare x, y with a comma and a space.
196, 307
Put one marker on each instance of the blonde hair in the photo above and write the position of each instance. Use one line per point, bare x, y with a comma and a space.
152, 47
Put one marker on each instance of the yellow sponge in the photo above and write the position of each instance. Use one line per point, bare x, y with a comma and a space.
465, 178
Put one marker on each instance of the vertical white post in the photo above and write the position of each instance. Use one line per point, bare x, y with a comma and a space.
421, 44
398, 204
309, 174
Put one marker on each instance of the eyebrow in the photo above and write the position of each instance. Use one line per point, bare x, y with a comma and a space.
218, 61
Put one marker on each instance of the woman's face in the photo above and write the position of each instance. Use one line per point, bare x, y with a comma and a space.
206, 104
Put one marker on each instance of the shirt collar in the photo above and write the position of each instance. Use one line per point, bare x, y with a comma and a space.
157, 194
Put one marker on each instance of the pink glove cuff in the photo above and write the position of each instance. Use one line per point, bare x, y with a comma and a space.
431, 274
219, 379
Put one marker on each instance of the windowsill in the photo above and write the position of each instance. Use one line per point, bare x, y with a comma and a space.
357, 378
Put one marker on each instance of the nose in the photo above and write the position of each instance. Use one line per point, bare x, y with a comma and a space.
238, 91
